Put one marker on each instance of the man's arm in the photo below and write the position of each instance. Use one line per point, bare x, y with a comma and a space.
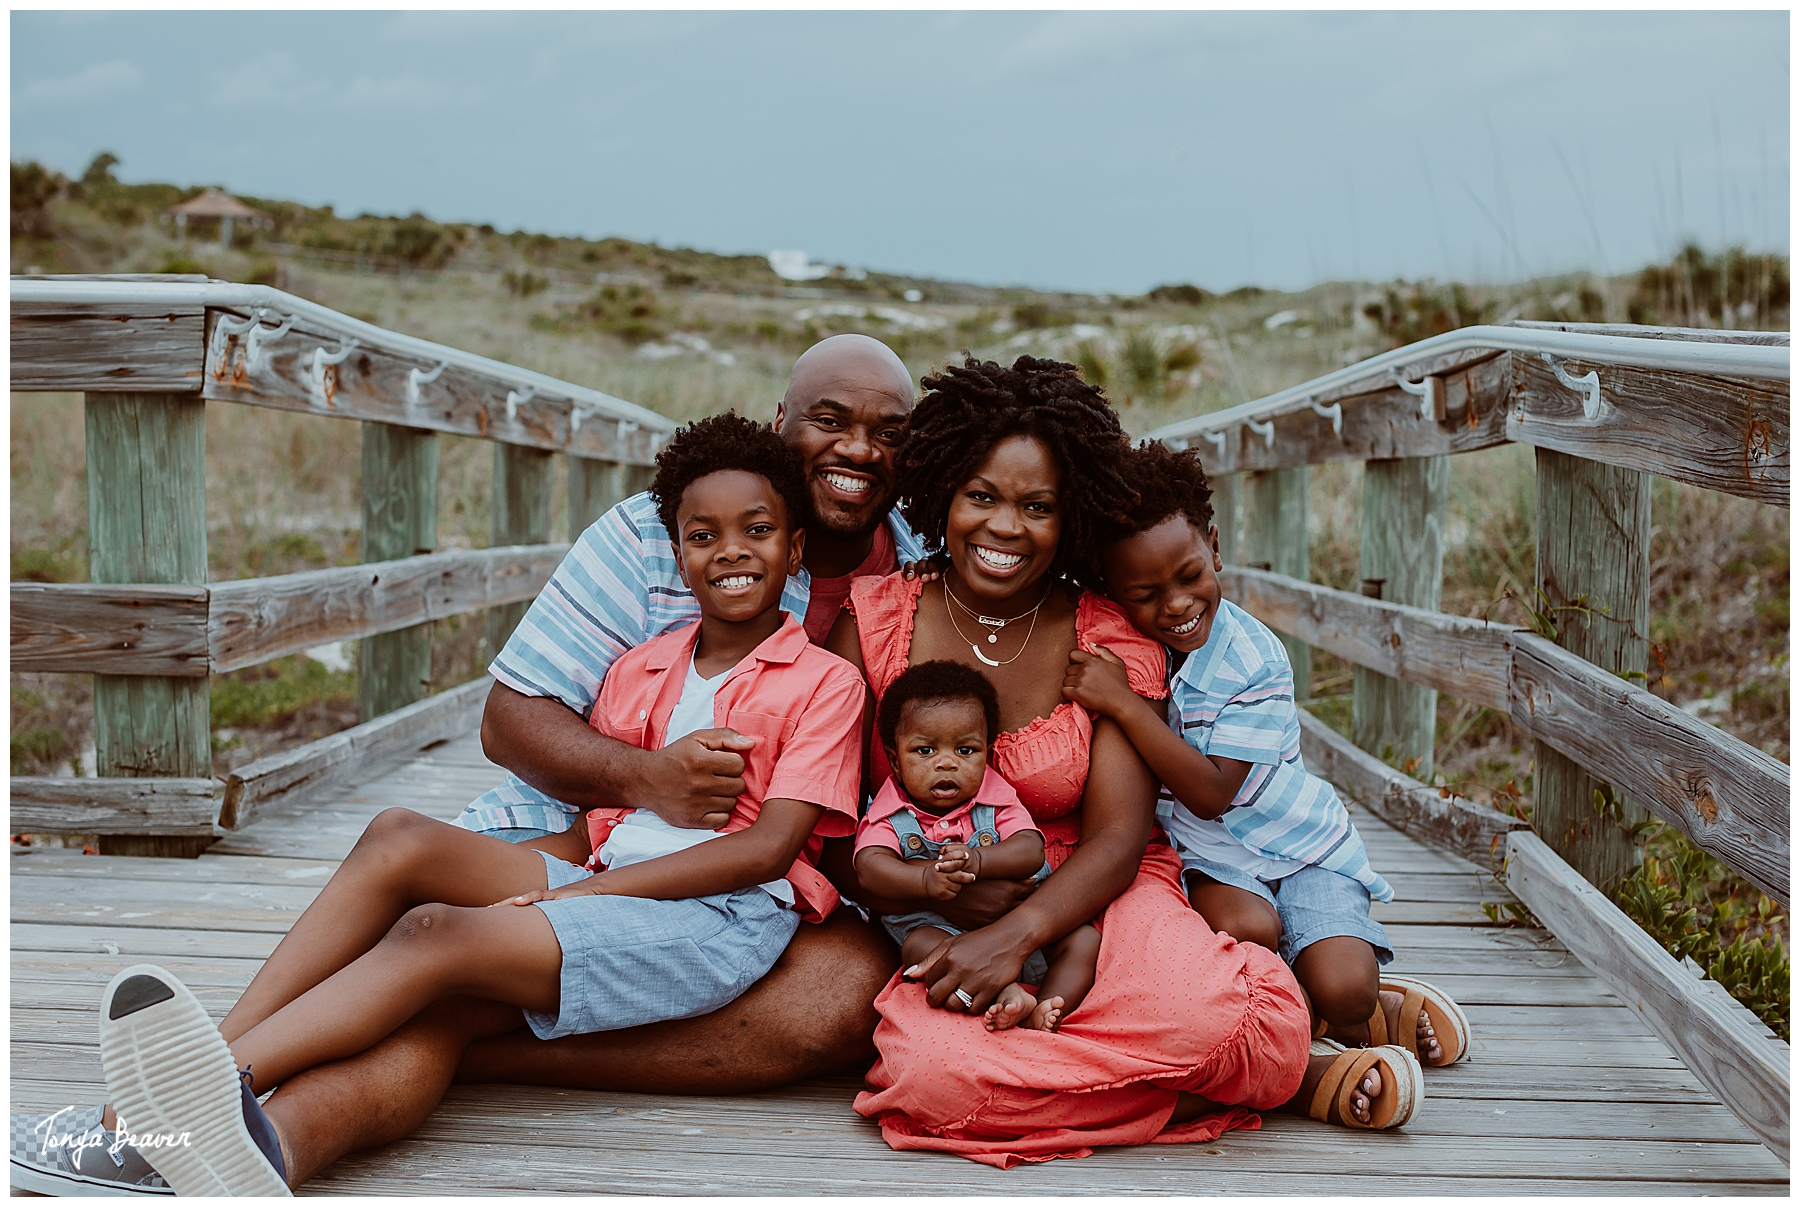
691, 783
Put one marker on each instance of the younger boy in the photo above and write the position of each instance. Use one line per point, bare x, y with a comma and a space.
945, 819
675, 926
1269, 851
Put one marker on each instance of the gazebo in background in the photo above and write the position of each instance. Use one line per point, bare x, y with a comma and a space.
214, 203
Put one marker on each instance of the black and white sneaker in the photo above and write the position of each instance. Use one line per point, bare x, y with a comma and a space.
69, 1153
177, 1090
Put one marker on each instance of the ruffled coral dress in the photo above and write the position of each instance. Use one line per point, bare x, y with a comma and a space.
1175, 1006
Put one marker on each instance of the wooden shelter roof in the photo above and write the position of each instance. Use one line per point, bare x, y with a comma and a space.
214, 203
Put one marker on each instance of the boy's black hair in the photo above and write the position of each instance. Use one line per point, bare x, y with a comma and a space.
939, 680
969, 408
721, 442
1169, 483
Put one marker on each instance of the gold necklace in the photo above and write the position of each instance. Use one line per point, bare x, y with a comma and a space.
989, 620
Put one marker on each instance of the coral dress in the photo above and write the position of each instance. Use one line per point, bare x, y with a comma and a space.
1175, 1006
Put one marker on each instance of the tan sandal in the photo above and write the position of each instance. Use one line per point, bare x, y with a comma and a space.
1402, 1085
1448, 1022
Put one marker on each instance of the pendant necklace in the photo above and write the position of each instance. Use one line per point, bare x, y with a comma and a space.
993, 623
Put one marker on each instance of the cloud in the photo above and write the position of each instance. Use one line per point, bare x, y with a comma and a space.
89, 84
275, 80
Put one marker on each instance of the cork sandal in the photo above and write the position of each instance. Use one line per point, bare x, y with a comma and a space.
1402, 1085
1448, 1022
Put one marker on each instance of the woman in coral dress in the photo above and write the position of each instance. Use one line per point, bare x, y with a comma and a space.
1009, 472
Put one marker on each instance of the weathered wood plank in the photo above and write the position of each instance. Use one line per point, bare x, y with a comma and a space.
596, 486
1465, 658
145, 942
1728, 797
255, 619
89, 805
1378, 421
1276, 539
74, 347
298, 372
399, 519
1475, 832
1401, 560
1725, 434
141, 629
1748, 1072
308, 772
207, 869
521, 517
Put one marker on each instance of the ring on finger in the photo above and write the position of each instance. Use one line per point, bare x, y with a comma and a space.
962, 995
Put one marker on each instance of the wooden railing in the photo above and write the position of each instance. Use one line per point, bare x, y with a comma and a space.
148, 352
1605, 407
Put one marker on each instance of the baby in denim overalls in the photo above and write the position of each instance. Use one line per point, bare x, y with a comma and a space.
945, 819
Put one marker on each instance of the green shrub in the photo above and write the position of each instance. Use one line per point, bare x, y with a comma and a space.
59, 565
1180, 295
1041, 314
276, 690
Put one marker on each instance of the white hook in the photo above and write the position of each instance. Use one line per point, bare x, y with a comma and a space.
1334, 412
514, 398
224, 329
1177, 443
321, 358
628, 426
1217, 439
1426, 391
1265, 429
1588, 385
260, 335
416, 378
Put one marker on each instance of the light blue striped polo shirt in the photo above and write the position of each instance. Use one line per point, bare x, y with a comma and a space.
1234, 697
616, 589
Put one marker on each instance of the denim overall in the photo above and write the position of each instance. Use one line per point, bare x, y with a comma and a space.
914, 845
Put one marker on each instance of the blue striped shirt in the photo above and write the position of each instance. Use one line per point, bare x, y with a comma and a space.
1234, 698
616, 589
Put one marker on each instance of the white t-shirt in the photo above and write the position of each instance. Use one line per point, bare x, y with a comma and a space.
641, 834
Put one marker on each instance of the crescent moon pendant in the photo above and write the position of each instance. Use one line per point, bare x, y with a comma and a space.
976, 650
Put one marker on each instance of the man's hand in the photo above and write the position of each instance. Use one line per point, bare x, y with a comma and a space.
1097, 682
581, 888
984, 902
697, 779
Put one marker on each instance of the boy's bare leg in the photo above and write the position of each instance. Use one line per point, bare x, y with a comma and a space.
383, 1094
402, 860
1342, 978
507, 953
1069, 979
1237, 912
812, 1015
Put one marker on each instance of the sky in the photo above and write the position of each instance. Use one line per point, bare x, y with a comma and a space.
1070, 150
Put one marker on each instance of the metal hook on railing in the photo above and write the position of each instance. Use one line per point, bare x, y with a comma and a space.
1587, 385
1422, 390
223, 330
1218, 440
1334, 412
1265, 429
260, 335
416, 378
321, 358
514, 398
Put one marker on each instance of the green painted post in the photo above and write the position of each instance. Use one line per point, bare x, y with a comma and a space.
1275, 538
146, 474
1225, 515
1593, 575
1402, 561
595, 486
399, 519
521, 517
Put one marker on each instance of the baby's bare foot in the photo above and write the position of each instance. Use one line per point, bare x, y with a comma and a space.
1047, 1016
1013, 1004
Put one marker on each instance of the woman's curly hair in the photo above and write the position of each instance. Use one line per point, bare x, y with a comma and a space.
723, 442
1169, 483
969, 408
930, 682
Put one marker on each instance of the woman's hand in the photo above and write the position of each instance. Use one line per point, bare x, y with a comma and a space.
980, 963
1097, 682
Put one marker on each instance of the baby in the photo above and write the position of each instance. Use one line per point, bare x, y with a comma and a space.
945, 820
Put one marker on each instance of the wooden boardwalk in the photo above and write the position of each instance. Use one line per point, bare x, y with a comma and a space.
1566, 1090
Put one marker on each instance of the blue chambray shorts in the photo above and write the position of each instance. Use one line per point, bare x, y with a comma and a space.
899, 926
631, 960
1313, 903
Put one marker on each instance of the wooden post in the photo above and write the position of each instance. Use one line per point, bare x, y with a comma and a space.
1402, 561
1275, 538
146, 474
596, 486
1593, 575
1225, 515
399, 519
521, 517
